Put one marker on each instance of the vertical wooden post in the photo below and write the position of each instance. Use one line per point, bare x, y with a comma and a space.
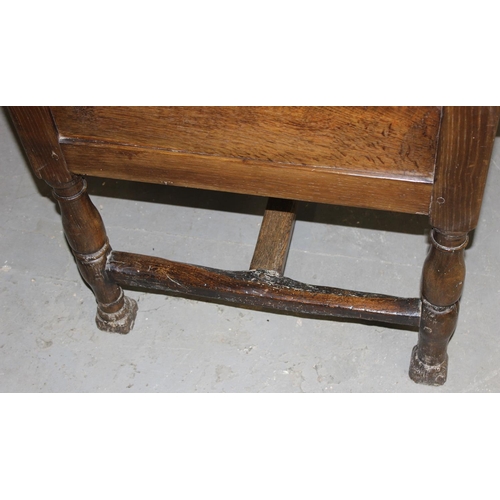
275, 236
465, 145
82, 222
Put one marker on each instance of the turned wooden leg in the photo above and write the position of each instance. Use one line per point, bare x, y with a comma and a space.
442, 283
82, 222
87, 238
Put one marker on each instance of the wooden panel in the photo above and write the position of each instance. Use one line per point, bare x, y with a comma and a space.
314, 184
465, 147
397, 141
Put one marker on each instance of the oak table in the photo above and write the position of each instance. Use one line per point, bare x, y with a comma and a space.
419, 160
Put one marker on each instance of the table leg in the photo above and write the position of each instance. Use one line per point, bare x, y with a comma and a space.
86, 235
442, 283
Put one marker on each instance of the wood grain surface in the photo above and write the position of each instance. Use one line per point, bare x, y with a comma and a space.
465, 146
399, 142
40, 139
295, 182
275, 236
259, 289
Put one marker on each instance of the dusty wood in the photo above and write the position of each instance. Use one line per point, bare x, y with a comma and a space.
398, 141
259, 289
314, 184
442, 283
429, 358
275, 236
464, 152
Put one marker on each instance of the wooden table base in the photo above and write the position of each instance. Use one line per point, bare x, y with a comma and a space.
416, 160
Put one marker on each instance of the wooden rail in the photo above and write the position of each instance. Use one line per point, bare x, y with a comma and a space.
259, 289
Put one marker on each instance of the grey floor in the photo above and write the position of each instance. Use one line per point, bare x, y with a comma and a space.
49, 342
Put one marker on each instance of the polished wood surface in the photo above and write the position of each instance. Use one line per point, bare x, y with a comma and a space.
379, 157
294, 182
395, 142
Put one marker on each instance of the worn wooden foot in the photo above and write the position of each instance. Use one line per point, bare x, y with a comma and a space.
429, 360
121, 321
443, 277
427, 374
422, 373
86, 236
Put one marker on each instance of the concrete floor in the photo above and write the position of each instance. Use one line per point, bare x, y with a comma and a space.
49, 342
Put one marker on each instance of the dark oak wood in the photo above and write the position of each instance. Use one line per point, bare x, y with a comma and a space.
426, 160
442, 284
40, 139
429, 358
465, 146
82, 223
399, 142
464, 152
275, 236
295, 182
259, 289
444, 269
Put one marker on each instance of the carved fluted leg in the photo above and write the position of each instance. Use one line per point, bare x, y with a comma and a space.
87, 238
442, 283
